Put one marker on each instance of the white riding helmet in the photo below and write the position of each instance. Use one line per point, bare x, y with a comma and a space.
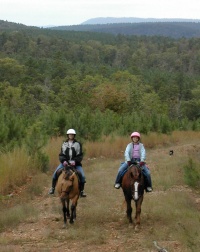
71, 131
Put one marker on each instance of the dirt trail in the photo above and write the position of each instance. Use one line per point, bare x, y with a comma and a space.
44, 233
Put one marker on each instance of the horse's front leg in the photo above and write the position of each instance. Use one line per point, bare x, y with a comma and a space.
64, 209
138, 205
67, 209
73, 210
129, 209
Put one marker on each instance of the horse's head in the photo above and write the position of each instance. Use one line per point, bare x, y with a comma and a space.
67, 183
137, 181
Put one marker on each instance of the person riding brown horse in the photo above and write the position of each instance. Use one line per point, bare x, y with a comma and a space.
70, 154
134, 151
133, 189
68, 190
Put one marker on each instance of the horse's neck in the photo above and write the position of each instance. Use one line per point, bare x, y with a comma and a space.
134, 170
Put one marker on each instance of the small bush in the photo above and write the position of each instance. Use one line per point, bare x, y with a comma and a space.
192, 174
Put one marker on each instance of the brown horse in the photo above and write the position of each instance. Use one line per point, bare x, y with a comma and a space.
133, 188
68, 190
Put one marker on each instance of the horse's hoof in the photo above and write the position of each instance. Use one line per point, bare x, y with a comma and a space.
71, 221
64, 226
137, 227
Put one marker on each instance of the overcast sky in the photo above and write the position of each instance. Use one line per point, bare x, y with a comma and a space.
72, 12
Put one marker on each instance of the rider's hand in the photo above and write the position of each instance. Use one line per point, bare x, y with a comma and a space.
72, 162
65, 163
142, 163
129, 163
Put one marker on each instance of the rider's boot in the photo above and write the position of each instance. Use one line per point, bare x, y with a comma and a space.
149, 189
52, 189
82, 193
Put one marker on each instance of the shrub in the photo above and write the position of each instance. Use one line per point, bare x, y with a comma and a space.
192, 174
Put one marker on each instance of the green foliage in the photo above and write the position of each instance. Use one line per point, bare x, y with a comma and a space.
35, 141
12, 129
11, 70
192, 174
165, 125
95, 83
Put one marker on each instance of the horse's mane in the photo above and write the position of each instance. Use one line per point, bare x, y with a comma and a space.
67, 172
135, 171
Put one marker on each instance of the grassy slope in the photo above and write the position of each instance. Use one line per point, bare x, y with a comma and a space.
170, 215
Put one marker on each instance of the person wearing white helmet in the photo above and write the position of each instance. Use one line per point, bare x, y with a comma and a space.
70, 154
135, 152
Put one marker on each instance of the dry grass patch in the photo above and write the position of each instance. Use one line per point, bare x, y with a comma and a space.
172, 215
11, 217
14, 169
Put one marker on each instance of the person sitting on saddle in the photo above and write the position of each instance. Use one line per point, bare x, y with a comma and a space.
135, 152
71, 154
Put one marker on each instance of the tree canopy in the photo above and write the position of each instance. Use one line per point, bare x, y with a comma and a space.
96, 83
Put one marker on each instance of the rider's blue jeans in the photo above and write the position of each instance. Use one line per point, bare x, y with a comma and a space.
123, 168
78, 168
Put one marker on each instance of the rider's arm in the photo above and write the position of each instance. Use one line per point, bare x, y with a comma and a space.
142, 153
127, 153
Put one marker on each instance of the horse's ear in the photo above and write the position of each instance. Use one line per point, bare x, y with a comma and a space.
72, 176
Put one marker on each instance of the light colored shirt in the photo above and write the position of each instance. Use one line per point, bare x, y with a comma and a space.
136, 151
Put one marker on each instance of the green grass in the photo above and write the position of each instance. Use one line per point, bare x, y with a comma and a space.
192, 173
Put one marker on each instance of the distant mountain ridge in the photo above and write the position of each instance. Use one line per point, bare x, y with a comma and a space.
178, 29
112, 20
166, 29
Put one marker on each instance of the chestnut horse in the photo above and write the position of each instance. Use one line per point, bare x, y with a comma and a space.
68, 190
133, 188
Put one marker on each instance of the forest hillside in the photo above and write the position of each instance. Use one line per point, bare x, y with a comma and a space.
151, 81
100, 84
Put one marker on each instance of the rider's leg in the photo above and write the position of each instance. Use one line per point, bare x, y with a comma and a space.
83, 181
147, 176
54, 179
121, 171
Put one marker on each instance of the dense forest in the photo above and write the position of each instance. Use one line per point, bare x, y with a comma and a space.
97, 83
